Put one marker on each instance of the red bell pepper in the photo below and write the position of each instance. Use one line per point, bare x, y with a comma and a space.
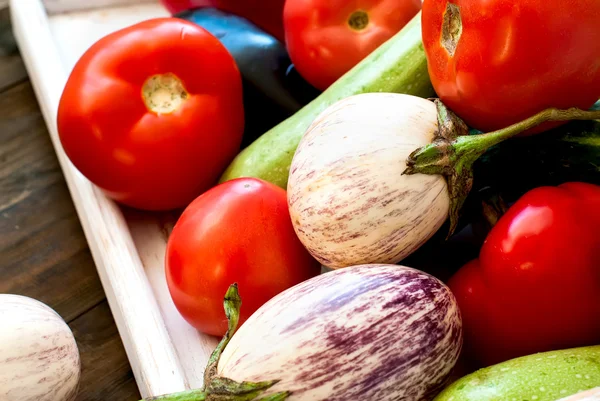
536, 284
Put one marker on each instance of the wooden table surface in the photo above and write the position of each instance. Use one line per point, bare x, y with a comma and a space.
43, 252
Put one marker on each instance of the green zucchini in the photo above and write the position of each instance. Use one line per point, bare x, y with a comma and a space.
547, 376
399, 66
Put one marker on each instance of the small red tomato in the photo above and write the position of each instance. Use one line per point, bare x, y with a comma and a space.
326, 38
176, 6
237, 232
153, 122
498, 62
536, 284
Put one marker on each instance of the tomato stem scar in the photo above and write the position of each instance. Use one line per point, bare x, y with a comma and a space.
451, 28
358, 20
163, 93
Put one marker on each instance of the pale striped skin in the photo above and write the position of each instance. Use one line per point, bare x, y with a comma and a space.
369, 333
348, 200
39, 359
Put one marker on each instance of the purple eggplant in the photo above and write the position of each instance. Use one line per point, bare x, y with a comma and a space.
370, 332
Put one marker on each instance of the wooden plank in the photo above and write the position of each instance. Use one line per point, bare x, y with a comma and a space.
150, 233
65, 6
149, 348
12, 70
95, 24
43, 253
105, 371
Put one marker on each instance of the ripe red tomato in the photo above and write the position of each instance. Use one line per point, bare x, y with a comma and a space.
266, 14
325, 39
497, 62
153, 123
176, 6
536, 285
237, 232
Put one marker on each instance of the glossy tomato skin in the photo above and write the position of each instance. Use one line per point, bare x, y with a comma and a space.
176, 6
514, 59
536, 284
321, 42
267, 14
139, 157
238, 232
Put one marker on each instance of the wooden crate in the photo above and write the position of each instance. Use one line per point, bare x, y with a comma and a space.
166, 354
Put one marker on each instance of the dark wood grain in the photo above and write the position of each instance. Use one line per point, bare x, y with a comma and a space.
98, 340
11, 67
43, 251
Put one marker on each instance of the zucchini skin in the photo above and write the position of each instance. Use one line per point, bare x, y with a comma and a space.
397, 66
273, 89
546, 376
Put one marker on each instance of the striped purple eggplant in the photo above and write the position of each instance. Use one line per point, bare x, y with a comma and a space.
39, 358
369, 332
349, 201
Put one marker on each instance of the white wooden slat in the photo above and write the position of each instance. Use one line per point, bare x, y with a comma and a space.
193, 348
77, 31
64, 6
149, 347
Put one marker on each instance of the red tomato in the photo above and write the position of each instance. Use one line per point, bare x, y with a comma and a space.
237, 232
325, 39
536, 284
266, 14
153, 122
497, 62
176, 6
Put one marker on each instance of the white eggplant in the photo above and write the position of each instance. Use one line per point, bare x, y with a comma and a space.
372, 332
349, 201
377, 174
39, 358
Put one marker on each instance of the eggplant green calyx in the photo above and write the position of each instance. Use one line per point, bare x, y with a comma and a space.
226, 389
191, 395
282, 396
218, 388
232, 305
453, 152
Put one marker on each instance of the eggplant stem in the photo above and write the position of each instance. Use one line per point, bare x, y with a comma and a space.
232, 304
276, 397
190, 395
218, 388
483, 142
453, 152
224, 385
